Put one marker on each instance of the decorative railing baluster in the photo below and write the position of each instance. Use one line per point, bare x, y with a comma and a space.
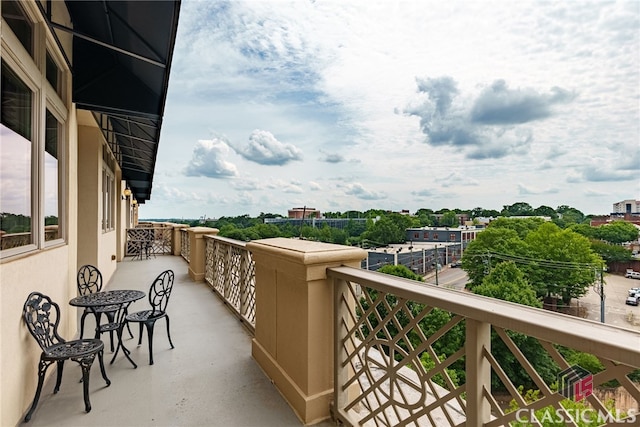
230, 273
407, 353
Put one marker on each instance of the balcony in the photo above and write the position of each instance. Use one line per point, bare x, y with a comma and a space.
256, 346
209, 378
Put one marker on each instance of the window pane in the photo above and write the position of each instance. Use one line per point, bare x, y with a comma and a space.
15, 162
19, 23
53, 73
15, 193
51, 179
16, 103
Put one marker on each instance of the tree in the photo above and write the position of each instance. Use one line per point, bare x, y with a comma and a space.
517, 209
426, 218
401, 271
449, 219
522, 226
568, 216
545, 211
477, 260
617, 232
568, 266
611, 253
507, 282
554, 261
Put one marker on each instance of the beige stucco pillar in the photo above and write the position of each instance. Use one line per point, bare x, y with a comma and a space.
177, 238
197, 250
294, 319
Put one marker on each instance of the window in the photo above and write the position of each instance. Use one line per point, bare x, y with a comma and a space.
33, 118
426, 236
17, 20
52, 178
108, 191
15, 161
452, 237
53, 74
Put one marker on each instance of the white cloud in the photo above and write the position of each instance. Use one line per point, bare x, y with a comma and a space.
208, 160
265, 149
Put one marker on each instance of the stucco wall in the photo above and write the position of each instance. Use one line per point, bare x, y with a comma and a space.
47, 272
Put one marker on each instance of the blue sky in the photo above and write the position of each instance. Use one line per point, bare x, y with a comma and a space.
341, 105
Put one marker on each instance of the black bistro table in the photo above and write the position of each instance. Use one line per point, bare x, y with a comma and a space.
120, 297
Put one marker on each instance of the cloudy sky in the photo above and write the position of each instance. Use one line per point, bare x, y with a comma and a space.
341, 105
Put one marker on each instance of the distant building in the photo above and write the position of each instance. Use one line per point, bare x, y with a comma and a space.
626, 207
443, 234
300, 213
626, 210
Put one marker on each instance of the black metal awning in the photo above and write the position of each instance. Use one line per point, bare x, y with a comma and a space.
120, 59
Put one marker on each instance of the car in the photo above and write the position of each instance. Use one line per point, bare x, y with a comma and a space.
632, 300
456, 264
634, 292
632, 274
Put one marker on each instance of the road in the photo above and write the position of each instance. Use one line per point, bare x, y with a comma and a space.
616, 288
616, 312
452, 278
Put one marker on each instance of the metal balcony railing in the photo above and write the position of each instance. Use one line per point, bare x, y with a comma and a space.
185, 246
160, 239
230, 271
414, 354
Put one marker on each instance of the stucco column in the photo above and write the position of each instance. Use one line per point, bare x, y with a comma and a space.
197, 250
478, 368
294, 319
177, 238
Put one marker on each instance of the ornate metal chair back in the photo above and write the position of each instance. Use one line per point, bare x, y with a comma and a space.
42, 316
89, 280
160, 291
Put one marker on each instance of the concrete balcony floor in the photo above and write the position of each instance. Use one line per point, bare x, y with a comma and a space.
209, 379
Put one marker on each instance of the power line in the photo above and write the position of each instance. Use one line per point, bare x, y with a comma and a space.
567, 265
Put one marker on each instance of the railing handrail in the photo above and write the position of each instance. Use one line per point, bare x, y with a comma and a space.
227, 240
614, 343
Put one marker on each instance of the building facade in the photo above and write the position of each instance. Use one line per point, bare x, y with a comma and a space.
83, 92
626, 207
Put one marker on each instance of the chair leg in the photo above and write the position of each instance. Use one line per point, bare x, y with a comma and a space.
150, 337
169, 333
82, 323
111, 319
126, 312
59, 376
140, 334
102, 370
85, 364
42, 369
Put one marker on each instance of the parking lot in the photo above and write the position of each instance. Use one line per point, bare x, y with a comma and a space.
616, 311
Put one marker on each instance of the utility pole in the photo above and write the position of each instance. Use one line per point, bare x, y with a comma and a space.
437, 265
602, 294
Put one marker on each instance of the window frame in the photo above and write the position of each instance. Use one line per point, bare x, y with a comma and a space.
31, 70
108, 201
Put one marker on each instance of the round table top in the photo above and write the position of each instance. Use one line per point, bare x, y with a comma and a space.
118, 296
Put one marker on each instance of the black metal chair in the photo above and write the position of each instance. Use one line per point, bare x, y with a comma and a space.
159, 294
89, 281
42, 316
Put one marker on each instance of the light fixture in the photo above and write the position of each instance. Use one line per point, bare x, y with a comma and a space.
134, 202
126, 193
